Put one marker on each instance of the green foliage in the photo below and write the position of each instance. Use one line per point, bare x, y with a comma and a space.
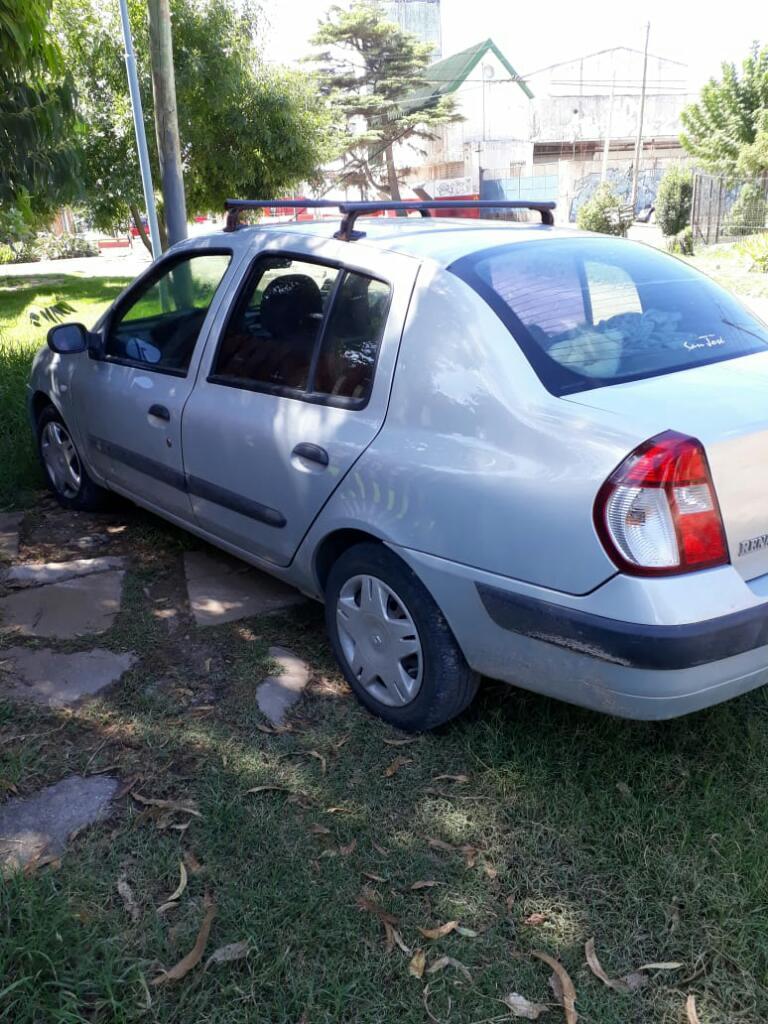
7, 255
604, 212
681, 243
755, 247
673, 200
370, 74
753, 158
725, 120
748, 213
37, 159
245, 130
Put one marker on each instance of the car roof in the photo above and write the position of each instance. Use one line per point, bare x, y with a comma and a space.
440, 239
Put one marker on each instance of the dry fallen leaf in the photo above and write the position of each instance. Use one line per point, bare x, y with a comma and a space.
166, 907
345, 851
270, 730
193, 864
438, 933
451, 778
267, 789
449, 961
522, 1007
379, 849
665, 965
439, 844
375, 908
468, 933
535, 919
428, 883
403, 742
417, 964
319, 830
490, 871
690, 1010
41, 860
222, 955
195, 955
186, 807
628, 983
129, 900
373, 878
566, 985
319, 757
396, 765
9, 786
470, 855
181, 886
394, 938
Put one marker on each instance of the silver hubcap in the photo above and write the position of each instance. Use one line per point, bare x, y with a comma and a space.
379, 640
61, 459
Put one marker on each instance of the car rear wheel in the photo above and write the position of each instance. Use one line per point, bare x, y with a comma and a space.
392, 642
65, 473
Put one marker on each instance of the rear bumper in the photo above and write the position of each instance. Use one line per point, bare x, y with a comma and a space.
635, 644
587, 651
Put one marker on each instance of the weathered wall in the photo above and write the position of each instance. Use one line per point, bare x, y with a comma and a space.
422, 17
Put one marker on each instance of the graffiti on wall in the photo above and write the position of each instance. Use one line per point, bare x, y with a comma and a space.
621, 182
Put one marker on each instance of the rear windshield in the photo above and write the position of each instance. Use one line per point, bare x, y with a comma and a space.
589, 312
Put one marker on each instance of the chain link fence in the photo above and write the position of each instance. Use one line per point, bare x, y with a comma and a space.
724, 209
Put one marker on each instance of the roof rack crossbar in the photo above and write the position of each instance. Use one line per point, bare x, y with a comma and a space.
352, 210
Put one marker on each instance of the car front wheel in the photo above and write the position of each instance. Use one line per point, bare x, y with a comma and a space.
392, 642
64, 470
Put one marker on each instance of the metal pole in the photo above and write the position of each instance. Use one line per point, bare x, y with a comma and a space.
141, 138
639, 141
607, 146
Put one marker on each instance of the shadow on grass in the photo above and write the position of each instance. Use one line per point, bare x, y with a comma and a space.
17, 293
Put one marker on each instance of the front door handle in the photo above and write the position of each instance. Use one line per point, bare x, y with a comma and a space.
160, 412
311, 452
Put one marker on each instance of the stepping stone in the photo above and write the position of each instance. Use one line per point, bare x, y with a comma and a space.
48, 677
223, 589
9, 534
275, 695
74, 607
42, 824
37, 574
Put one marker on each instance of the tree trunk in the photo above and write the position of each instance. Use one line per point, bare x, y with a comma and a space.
136, 218
394, 184
166, 119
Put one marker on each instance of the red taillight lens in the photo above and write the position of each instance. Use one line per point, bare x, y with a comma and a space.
657, 513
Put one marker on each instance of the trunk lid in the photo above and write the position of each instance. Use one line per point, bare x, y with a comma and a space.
725, 406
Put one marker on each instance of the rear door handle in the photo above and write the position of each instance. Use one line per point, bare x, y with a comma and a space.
311, 452
160, 412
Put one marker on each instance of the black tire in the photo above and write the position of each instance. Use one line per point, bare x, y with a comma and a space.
448, 684
88, 497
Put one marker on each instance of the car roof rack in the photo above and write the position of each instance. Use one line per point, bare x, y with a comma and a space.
350, 211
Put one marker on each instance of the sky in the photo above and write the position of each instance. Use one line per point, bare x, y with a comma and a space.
534, 35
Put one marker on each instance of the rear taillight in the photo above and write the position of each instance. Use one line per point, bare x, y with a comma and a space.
657, 513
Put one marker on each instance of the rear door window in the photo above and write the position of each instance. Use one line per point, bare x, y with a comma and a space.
594, 311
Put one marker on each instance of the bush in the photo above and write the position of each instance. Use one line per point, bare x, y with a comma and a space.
673, 200
748, 213
54, 247
756, 248
682, 243
604, 212
7, 255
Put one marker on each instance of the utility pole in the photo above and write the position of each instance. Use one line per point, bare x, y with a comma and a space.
607, 144
639, 140
166, 119
141, 138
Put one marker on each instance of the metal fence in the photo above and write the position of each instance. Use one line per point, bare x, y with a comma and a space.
726, 209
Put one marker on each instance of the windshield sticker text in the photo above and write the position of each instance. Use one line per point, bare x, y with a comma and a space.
704, 341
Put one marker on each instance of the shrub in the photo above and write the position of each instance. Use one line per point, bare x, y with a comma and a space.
62, 247
748, 213
673, 200
756, 249
682, 242
604, 212
7, 255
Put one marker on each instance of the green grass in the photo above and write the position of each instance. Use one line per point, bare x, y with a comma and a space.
731, 268
19, 340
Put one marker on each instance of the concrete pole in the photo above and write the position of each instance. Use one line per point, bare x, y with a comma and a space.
639, 140
141, 138
607, 144
166, 119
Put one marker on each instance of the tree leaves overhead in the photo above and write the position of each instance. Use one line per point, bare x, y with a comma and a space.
370, 71
728, 114
246, 130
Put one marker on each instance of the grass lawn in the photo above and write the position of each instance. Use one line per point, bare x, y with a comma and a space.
19, 340
537, 825
731, 269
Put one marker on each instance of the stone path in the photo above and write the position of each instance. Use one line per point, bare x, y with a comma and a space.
9, 534
223, 589
39, 825
55, 679
75, 607
275, 695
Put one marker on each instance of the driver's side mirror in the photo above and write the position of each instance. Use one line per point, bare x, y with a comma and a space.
68, 339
